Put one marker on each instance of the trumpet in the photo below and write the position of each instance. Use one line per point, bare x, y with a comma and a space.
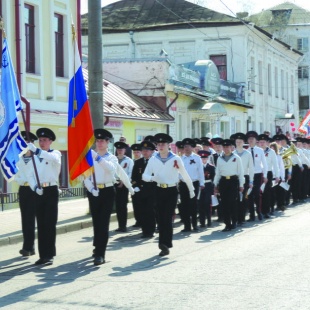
286, 156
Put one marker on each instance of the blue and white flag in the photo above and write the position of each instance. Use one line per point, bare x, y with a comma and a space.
12, 145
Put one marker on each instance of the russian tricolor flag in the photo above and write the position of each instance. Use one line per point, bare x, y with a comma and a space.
80, 127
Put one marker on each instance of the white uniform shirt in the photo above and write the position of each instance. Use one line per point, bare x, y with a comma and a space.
272, 163
194, 167
247, 163
25, 169
168, 172
228, 168
127, 164
281, 167
260, 164
303, 157
48, 165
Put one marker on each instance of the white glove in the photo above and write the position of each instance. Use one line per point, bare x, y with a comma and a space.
39, 191
136, 189
131, 191
191, 195
32, 147
59, 191
95, 192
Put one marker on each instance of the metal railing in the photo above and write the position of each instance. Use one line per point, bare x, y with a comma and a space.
10, 200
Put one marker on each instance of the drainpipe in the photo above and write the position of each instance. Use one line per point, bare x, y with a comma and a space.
133, 50
78, 22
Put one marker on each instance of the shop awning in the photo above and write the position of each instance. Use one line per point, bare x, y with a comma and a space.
285, 116
212, 108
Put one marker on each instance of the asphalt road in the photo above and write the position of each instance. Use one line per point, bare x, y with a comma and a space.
265, 265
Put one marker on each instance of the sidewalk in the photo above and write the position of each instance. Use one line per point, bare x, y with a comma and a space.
72, 215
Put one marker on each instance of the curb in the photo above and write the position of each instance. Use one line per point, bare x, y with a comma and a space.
61, 228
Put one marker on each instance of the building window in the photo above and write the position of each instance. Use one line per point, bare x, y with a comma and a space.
220, 62
276, 82
303, 72
302, 44
205, 128
304, 103
269, 81
260, 77
282, 84
59, 45
252, 74
30, 38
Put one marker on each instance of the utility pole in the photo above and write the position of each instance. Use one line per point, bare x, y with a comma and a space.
95, 83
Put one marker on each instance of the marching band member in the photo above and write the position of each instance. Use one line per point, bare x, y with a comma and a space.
48, 162
121, 191
272, 171
101, 193
228, 181
164, 168
260, 175
248, 169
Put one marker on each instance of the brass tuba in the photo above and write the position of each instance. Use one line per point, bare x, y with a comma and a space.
286, 156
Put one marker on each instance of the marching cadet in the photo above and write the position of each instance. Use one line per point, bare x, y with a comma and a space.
136, 151
101, 193
144, 192
272, 172
306, 165
193, 165
121, 195
248, 169
180, 148
48, 163
26, 198
260, 175
164, 168
205, 207
228, 181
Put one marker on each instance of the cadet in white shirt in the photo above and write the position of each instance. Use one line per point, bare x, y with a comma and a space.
194, 167
121, 196
101, 193
48, 163
248, 168
164, 169
273, 172
26, 198
260, 176
228, 181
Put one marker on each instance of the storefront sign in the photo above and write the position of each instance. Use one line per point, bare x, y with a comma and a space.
232, 91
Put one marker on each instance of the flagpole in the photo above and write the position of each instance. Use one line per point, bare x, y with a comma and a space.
74, 93
23, 117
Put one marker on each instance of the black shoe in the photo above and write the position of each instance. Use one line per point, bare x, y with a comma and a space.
251, 219
44, 261
147, 236
99, 260
121, 229
136, 225
233, 226
209, 224
266, 216
260, 216
186, 230
26, 253
164, 250
196, 229
202, 225
226, 229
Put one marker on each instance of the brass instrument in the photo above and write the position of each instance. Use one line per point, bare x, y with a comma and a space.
286, 156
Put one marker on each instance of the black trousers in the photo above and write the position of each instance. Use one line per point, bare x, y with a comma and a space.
295, 184
27, 198
47, 214
101, 209
266, 195
189, 206
145, 201
166, 200
205, 207
304, 182
136, 209
121, 201
255, 196
229, 191
242, 205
